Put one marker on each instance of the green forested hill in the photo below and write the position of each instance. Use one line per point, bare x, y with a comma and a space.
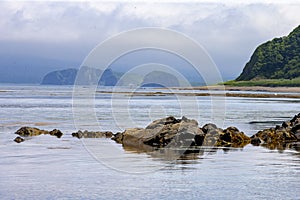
275, 59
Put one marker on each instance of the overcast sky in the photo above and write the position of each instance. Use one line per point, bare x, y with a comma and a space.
70, 30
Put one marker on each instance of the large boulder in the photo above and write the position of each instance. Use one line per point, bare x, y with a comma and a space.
181, 133
289, 131
160, 133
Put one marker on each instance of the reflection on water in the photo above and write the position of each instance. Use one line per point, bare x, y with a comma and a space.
200, 152
282, 146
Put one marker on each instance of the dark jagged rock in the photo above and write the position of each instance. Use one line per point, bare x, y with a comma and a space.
19, 139
56, 133
172, 132
289, 131
229, 137
91, 134
255, 141
31, 131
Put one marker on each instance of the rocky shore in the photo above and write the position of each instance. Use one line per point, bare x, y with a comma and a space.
184, 133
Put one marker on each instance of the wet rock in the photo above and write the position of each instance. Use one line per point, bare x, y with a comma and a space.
19, 139
233, 137
31, 131
56, 133
229, 137
256, 141
92, 134
161, 132
181, 133
289, 131
275, 136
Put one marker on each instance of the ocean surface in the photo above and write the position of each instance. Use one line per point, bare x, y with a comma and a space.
45, 167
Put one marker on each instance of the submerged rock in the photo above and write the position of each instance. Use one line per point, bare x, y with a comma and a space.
289, 131
181, 133
92, 134
31, 131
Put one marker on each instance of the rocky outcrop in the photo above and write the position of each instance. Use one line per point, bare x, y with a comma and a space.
92, 134
181, 133
289, 131
31, 131
229, 137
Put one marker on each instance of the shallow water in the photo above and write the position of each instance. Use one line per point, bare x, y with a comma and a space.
45, 167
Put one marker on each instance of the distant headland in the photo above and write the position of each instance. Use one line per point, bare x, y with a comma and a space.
274, 63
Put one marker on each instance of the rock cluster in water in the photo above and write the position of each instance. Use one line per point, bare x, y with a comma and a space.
289, 131
184, 133
30, 131
181, 133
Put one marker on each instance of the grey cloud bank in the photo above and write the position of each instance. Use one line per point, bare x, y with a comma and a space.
32, 33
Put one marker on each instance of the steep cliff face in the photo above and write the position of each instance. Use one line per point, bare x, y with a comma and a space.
275, 59
88, 76
61, 77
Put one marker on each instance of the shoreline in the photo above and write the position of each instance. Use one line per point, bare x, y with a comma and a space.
222, 91
246, 88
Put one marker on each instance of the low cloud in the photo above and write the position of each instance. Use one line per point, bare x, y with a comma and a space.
229, 32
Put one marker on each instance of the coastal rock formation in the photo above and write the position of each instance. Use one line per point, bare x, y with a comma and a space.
30, 131
181, 133
92, 134
289, 131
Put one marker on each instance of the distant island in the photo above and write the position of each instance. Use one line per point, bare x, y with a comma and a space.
109, 78
68, 77
274, 63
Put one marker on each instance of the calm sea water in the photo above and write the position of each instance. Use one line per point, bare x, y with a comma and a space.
45, 167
